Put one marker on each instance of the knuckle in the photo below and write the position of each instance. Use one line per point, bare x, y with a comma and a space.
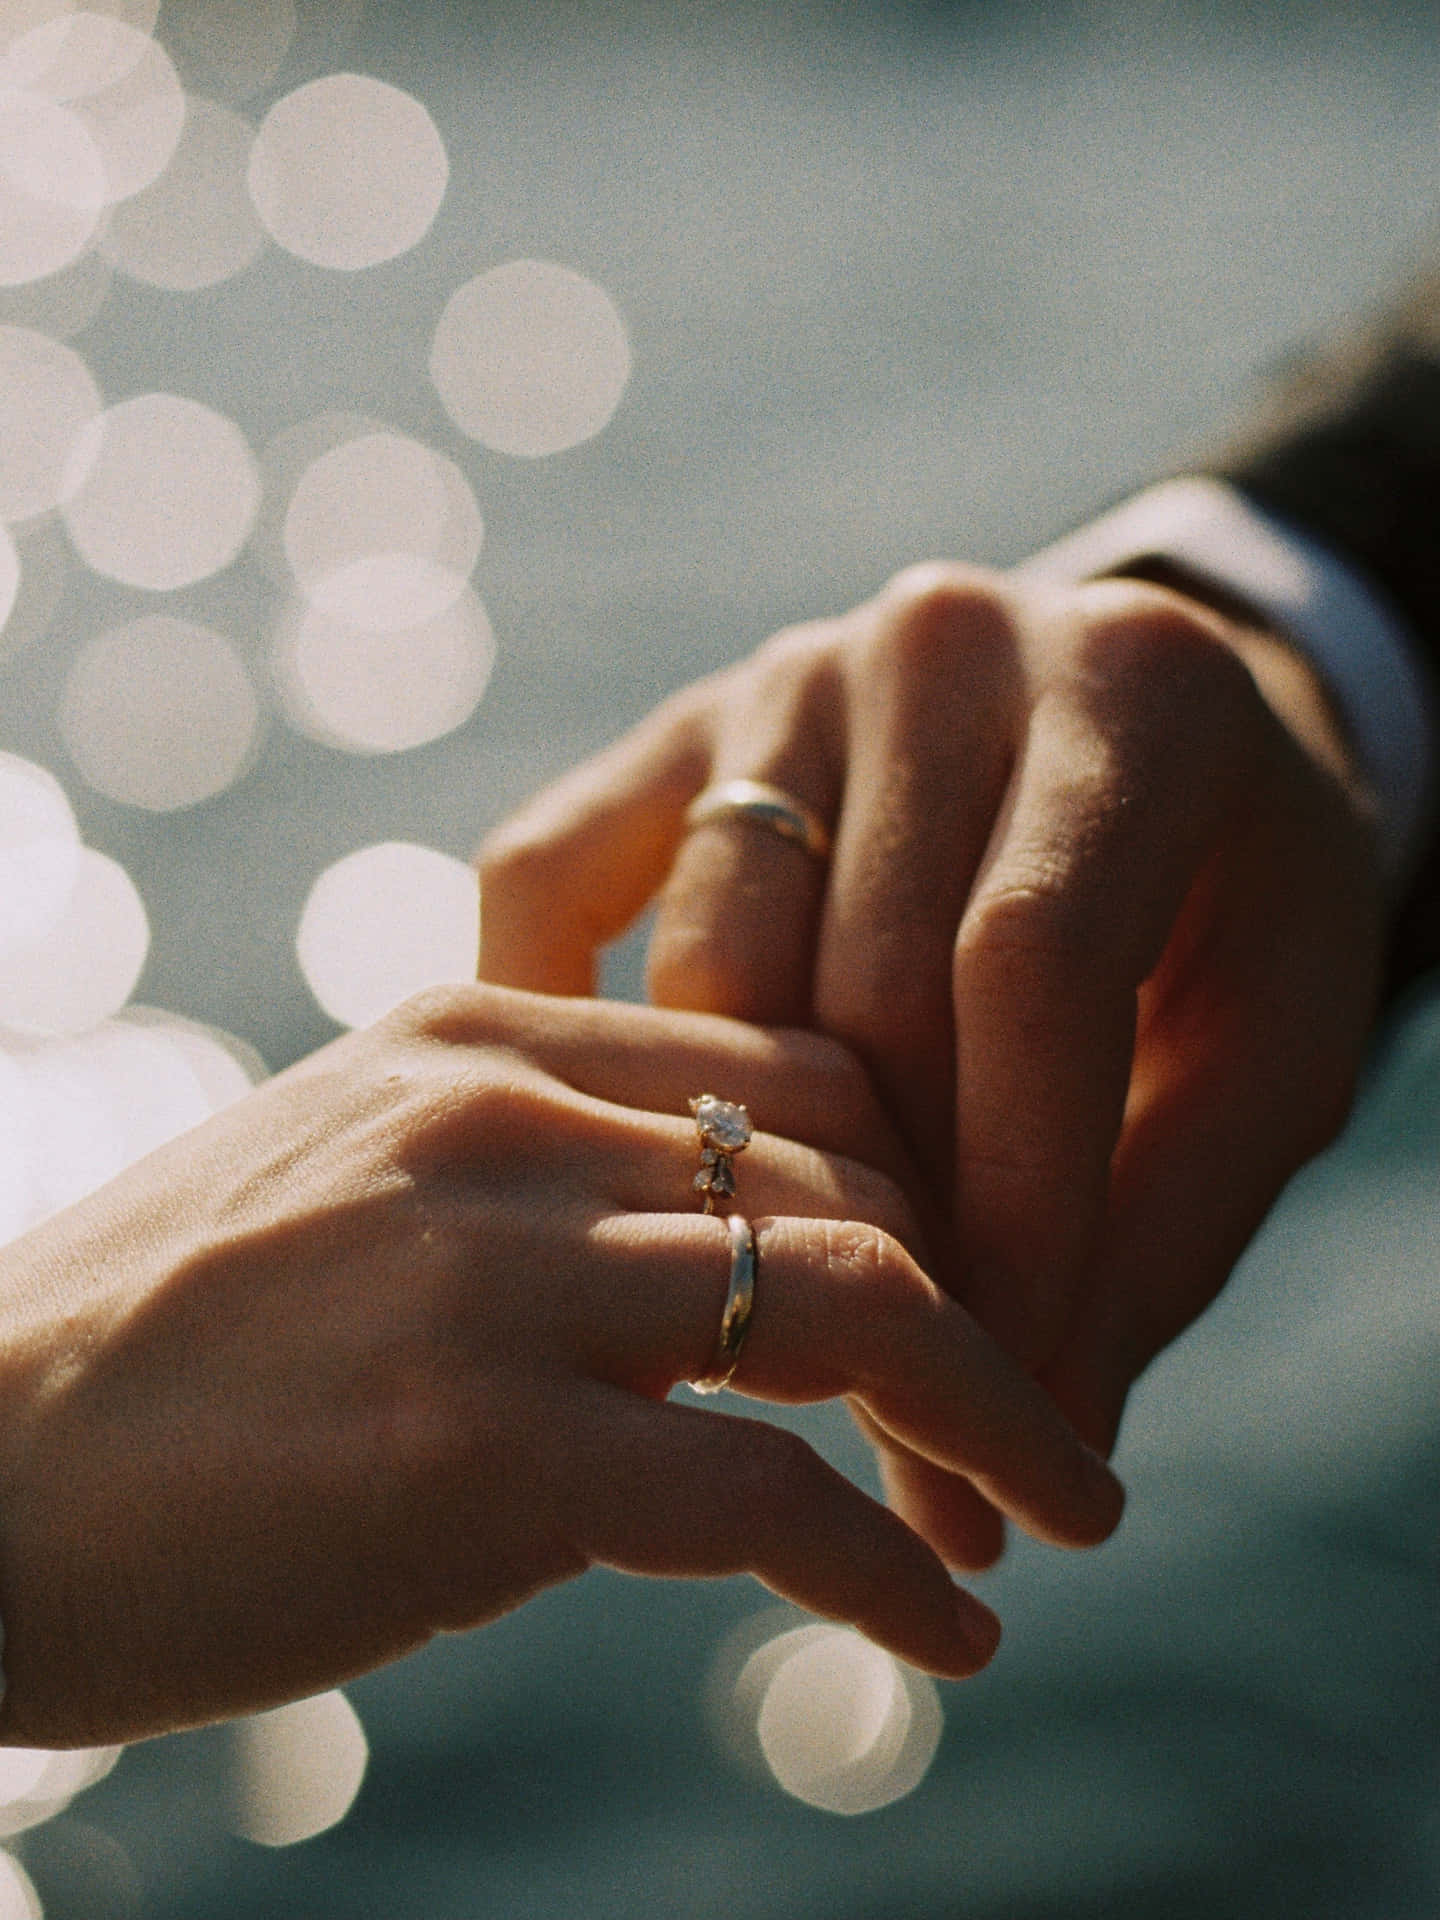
511, 1113
942, 582
1157, 658
449, 1012
938, 612
1031, 926
801, 648
859, 1255
785, 707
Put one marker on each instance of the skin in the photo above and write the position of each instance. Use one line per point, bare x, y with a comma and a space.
1102, 920
384, 1349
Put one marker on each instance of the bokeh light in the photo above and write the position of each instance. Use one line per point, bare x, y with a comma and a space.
53, 187
37, 1784
368, 692
46, 564
39, 852
381, 532
9, 576
95, 1103
284, 461
21, 15
83, 967
196, 225
86, 1872
348, 172
530, 358
297, 1770
230, 48
160, 492
224, 1067
390, 648
384, 922
20, 1772
64, 303
17, 1128
68, 51
159, 714
47, 396
118, 84
71, 52
18, 1897
842, 1725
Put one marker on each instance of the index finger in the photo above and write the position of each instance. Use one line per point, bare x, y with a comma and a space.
571, 870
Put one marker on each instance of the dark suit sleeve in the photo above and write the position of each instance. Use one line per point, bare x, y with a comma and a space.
1348, 447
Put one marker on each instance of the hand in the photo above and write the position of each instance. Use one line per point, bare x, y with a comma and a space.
1102, 919
384, 1349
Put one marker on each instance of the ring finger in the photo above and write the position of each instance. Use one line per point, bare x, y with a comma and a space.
736, 924
842, 1309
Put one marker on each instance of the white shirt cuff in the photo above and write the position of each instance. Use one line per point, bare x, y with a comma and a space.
1360, 648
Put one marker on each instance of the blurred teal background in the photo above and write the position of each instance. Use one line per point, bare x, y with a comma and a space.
899, 281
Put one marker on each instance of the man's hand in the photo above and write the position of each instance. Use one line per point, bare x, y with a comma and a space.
1102, 919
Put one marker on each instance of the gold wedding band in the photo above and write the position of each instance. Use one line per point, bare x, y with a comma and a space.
739, 1306
767, 806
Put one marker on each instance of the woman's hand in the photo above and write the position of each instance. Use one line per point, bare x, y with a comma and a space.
1102, 920
383, 1350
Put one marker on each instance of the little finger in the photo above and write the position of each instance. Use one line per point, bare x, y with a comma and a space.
677, 1492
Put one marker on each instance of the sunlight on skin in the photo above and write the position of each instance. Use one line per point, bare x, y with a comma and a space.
106, 167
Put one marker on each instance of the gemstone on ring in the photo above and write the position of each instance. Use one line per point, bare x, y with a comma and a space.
724, 1129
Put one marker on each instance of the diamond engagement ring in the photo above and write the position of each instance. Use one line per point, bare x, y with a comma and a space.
724, 1131
767, 806
739, 1305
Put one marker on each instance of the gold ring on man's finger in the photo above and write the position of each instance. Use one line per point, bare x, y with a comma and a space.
766, 806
